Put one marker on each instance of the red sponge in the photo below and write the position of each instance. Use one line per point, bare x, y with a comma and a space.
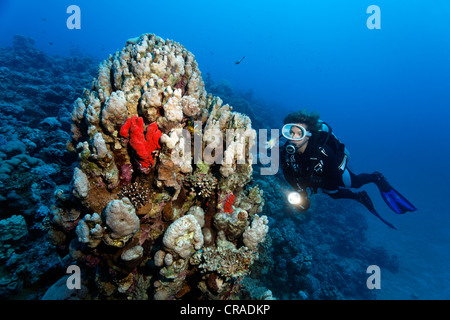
144, 146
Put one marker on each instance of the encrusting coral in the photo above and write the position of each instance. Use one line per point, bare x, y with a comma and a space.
121, 222
228, 262
201, 182
151, 219
136, 193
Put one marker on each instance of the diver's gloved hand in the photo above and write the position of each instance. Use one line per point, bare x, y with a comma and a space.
304, 205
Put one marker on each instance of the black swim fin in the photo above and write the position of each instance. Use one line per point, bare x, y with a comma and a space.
398, 203
364, 198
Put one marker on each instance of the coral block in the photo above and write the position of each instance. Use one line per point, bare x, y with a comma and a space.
144, 146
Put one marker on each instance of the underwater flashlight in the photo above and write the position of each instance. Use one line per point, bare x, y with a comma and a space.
300, 202
294, 198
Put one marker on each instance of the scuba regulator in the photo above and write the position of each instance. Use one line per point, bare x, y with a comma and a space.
290, 148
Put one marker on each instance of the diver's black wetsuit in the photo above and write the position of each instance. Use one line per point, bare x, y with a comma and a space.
324, 165
330, 177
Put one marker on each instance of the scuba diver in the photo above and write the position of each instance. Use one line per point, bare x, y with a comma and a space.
314, 158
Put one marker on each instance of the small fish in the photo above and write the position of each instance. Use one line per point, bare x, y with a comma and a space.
239, 61
50, 43
192, 127
272, 143
195, 129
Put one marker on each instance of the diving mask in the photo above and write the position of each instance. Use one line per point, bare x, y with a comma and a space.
295, 132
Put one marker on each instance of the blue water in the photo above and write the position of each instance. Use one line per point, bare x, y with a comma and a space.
385, 92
